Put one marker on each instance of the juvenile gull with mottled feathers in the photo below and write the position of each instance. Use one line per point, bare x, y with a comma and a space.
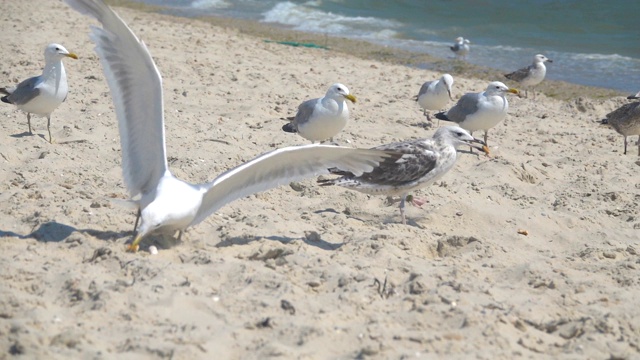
423, 162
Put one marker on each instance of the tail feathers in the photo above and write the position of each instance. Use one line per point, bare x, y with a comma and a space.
326, 182
508, 76
290, 128
5, 99
442, 116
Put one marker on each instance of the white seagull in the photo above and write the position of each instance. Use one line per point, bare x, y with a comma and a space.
322, 118
461, 47
531, 75
164, 201
480, 111
626, 120
434, 95
423, 162
40, 95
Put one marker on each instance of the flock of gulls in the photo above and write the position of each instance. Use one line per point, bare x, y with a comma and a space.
166, 203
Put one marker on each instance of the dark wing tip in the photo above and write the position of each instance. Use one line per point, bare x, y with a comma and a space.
5, 99
632, 97
508, 76
442, 116
290, 128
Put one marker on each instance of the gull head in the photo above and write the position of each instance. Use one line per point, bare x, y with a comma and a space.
447, 80
458, 136
460, 39
57, 52
338, 92
498, 88
538, 59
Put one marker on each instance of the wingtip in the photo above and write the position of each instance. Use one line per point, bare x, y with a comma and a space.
290, 128
442, 116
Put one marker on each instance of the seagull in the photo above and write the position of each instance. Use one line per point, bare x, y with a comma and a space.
480, 111
165, 202
322, 118
40, 95
434, 95
461, 47
531, 75
626, 120
423, 162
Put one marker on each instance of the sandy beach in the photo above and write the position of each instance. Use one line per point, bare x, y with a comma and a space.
304, 272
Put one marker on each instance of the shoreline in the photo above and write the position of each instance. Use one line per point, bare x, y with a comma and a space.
560, 90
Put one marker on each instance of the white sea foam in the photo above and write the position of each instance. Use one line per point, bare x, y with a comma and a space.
210, 4
306, 18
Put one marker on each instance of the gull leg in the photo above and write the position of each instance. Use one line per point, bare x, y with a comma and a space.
404, 219
471, 147
625, 145
485, 137
29, 122
180, 235
135, 226
638, 145
49, 128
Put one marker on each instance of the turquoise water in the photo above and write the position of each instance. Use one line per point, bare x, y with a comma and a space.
591, 42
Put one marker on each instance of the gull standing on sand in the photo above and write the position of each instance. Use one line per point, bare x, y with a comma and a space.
434, 95
480, 111
165, 202
423, 162
42, 94
626, 120
461, 48
531, 75
322, 118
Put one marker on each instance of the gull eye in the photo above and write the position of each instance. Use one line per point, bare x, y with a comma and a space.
57, 49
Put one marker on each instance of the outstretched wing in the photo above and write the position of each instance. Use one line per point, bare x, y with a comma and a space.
136, 88
283, 166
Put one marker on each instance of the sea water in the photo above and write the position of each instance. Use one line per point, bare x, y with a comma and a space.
591, 42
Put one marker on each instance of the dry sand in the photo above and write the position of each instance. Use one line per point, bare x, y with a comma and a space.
295, 274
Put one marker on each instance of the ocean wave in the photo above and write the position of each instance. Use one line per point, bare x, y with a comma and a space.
306, 18
210, 4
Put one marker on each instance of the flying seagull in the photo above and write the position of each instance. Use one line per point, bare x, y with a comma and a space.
166, 202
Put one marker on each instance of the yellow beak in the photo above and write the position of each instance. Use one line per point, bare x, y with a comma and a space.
72, 55
514, 91
351, 98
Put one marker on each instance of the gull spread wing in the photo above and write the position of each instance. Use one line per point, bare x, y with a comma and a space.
136, 88
282, 166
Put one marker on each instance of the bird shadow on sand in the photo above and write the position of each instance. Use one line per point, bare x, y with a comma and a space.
312, 239
22, 134
53, 231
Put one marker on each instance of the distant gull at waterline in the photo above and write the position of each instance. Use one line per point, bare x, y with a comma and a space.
532, 75
461, 48
164, 201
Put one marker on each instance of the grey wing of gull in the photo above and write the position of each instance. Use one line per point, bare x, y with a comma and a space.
424, 88
467, 105
625, 118
282, 166
305, 110
519, 74
25, 91
136, 89
418, 159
